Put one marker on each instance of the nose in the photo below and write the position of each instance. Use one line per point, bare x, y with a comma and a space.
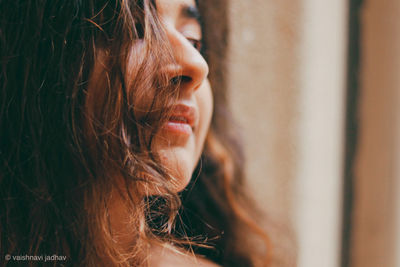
190, 68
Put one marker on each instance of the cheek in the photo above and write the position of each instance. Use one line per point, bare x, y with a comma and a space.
181, 160
209, 100
205, 103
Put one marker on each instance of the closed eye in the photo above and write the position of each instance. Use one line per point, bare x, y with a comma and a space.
196, 43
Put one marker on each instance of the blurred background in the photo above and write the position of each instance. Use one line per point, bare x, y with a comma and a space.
315, 88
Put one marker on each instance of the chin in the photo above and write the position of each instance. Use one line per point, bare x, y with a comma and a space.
180, 163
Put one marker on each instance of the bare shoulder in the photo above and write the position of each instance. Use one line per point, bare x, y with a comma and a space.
169, 256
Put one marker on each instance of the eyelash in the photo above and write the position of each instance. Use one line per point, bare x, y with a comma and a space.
196, 43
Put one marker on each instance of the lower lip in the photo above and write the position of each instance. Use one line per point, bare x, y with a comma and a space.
178, 128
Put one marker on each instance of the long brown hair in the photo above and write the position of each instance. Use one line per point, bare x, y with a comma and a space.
60, 156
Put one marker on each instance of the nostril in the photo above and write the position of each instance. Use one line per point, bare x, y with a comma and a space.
180, 79
186, 79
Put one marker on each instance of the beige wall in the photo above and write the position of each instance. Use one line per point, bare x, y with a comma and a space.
264, 90
320, 142
288, 69
264, 93
288, 79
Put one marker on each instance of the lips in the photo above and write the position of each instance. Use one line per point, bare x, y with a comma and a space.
184, 114
182, 120
179, 119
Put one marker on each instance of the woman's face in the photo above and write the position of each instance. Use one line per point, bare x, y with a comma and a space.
180, 141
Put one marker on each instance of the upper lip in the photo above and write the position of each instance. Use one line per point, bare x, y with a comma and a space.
187, 112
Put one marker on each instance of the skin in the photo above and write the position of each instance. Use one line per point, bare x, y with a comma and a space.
167, 256
180, 153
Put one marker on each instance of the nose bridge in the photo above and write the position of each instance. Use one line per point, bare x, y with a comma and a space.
190, 64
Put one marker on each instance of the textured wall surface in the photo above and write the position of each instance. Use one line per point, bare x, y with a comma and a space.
287, 91
263, 86
264, 89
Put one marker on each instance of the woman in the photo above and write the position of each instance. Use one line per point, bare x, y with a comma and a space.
112, 152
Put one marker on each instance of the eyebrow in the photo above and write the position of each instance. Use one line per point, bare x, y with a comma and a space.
190, 12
